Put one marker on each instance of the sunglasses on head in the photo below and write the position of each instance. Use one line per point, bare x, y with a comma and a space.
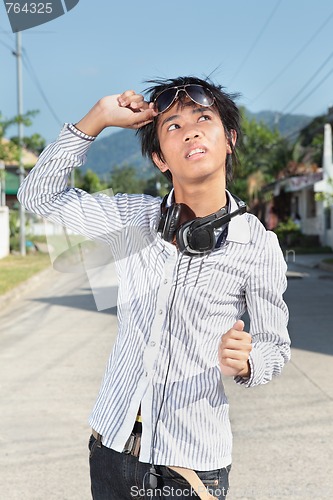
197, 93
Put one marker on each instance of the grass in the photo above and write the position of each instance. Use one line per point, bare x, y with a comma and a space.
328, 261
16, 269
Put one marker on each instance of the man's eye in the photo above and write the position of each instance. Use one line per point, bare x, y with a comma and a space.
174, 126
203, 118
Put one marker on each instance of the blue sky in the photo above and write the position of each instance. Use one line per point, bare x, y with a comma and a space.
104, 47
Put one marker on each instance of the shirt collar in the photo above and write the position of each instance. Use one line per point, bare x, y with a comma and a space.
170, 198
239, 228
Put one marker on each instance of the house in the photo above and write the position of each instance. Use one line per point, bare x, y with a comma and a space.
12, 176
9, 184
295, 196
325, 188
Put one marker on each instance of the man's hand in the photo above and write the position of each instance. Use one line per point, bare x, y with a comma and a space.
234, 350
127, 110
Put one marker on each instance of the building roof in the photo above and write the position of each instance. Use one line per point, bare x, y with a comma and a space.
28, 158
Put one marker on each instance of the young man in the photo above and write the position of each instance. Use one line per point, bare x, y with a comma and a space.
188, 269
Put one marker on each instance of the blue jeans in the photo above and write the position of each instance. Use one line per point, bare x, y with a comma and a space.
117, 476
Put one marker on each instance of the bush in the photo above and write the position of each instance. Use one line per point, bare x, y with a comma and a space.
290, 236
288, 233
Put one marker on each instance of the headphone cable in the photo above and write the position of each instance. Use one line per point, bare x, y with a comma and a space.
152, 474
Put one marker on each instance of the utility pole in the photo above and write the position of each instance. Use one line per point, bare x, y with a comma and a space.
20, 136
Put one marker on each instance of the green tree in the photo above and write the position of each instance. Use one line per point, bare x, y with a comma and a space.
34, 143
125, 180
9, 150
326, 196
308, 148
89, 182
157, 185
263, 153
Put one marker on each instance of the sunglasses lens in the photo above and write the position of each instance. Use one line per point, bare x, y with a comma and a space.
197, 93
165, 99
200, 95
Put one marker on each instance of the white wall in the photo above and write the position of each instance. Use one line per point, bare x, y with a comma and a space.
309, 225
4, 232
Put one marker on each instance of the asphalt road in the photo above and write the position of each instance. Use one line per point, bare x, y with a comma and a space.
53, 349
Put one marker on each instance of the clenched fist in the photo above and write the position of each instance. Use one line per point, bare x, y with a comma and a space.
234, 350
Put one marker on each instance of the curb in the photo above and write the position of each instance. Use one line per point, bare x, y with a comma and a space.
325, 266
18, 290
296, 275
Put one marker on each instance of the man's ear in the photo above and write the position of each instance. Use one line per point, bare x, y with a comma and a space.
232, 137
160, 164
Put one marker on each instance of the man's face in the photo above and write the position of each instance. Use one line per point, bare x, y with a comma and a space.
193, 143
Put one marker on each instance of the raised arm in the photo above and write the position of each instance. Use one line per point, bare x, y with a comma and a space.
127, 110
45, 190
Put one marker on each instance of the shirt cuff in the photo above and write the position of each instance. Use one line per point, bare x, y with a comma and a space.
256, 374
78, 132
74, 142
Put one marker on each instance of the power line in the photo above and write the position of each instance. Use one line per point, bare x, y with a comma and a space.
293, 59
315, 74
312, 91
33, 75
255, 42
28, 66
7, 46
7, 33
10, 38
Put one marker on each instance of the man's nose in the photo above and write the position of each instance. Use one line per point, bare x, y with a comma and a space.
192, 134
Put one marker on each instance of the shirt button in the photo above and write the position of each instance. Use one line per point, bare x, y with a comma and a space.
165, 281
160, 311
152, 343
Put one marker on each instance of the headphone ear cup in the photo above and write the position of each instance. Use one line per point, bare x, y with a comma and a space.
172, 219
202, 239
195, 241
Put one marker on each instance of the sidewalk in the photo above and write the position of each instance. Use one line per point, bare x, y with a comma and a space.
310, 261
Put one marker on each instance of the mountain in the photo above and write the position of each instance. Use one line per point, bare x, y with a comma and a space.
122, 148
288, 125
118, 150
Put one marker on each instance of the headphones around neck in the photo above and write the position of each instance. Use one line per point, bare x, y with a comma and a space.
195, 236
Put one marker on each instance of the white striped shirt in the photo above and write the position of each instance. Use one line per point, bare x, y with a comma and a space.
172, 311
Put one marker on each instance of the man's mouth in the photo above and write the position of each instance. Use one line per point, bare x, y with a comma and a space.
195, 152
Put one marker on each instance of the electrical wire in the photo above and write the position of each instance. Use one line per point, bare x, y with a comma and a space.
9, 37
28, 66
293, 59
7, 46
240, 67
7, 33
314, 75
312, 91
27, 63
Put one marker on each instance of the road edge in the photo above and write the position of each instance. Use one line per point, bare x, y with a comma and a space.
7, 298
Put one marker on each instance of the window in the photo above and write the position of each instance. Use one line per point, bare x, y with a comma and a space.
310, 203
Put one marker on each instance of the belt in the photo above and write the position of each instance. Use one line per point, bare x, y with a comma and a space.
132, 447
133, 443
